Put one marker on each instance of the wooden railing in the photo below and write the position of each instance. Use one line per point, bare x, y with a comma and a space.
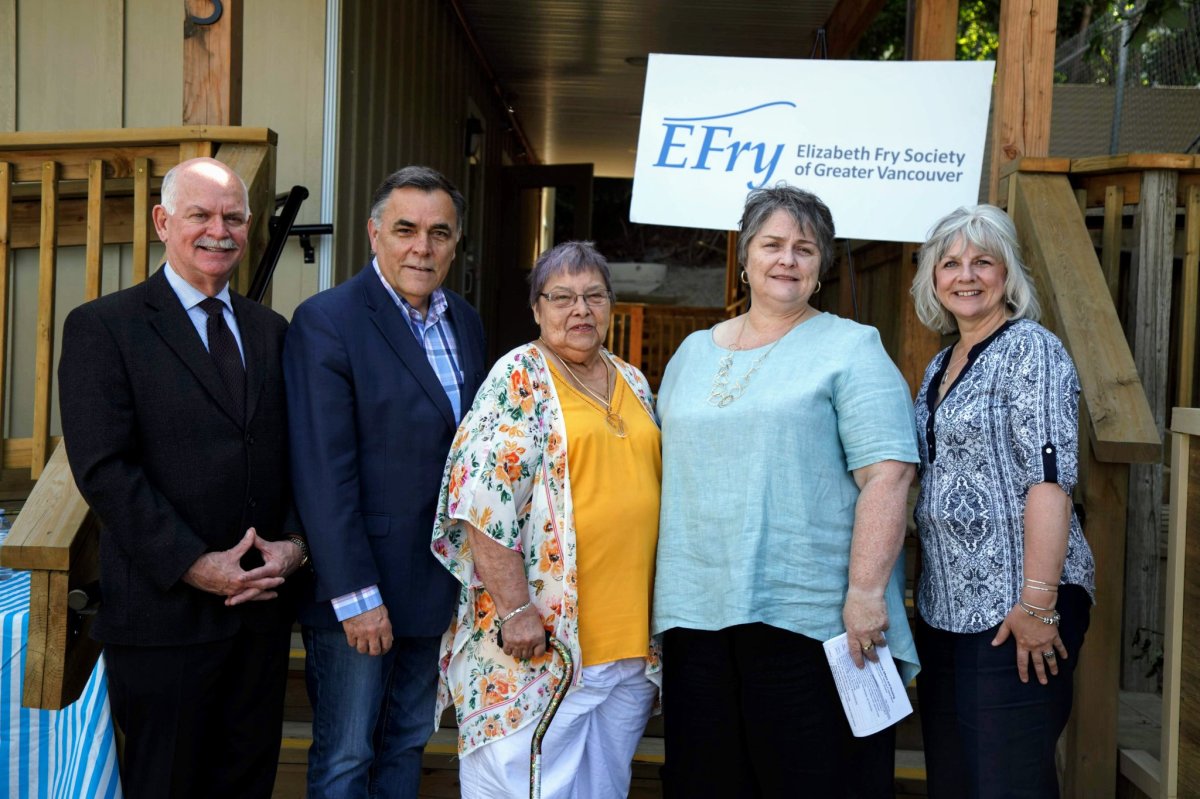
1177, 773
1121, 407
86, 188
92, 188
648, 335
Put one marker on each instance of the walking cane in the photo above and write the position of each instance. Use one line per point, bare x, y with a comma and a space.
560, 690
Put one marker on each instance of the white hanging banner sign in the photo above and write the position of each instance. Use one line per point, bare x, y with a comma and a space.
890, 146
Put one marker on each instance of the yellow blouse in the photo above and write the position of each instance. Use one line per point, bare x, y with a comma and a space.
615, 484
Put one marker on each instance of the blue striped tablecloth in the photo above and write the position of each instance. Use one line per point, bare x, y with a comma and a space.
48, 754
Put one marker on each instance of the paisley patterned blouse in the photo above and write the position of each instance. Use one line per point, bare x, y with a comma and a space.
507, 475
1010, 421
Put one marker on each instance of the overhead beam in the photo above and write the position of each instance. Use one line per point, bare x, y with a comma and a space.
847, 23
1024, 84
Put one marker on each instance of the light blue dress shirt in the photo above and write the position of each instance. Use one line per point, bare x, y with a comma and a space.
191, 297
758, 497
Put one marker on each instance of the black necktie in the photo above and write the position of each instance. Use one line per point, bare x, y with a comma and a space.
224, 350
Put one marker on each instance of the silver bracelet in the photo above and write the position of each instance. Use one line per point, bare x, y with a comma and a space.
1052, 619
501, 622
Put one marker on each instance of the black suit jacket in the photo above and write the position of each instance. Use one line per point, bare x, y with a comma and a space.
370, 429
161, 458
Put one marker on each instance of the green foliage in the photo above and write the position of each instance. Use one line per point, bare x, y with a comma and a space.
979, 25
1149, 15
978, 30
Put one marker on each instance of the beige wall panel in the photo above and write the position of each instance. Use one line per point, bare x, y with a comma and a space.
153, 63
69, 64
283, 88
8, 65
406, 79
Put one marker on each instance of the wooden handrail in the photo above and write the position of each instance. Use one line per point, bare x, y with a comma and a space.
55, 537
1079, 307
134, 137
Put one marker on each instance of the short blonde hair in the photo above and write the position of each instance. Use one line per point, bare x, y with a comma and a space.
988, 229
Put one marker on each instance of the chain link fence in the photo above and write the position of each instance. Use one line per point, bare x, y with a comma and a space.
1152, 91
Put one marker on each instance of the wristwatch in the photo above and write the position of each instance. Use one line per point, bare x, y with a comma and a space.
300, 542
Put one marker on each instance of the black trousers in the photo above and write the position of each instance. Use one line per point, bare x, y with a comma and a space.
203, 720
751, 711
987, 734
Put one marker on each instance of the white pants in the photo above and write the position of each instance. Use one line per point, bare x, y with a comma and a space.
587, 752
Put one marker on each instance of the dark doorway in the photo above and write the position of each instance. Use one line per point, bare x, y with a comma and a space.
541, 206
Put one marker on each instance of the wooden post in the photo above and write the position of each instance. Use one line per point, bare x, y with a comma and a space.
44, 357
1151, 329
1024, 84
1190, 294
95, 230
916, 344
1091, 735
1179, 773
935, 31
732, 270
1110, 238
141, 219
212, 64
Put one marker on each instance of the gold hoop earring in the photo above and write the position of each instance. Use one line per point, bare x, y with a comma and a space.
817, 290
745, 277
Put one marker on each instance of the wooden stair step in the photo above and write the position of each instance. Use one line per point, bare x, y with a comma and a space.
443, 744
442, 751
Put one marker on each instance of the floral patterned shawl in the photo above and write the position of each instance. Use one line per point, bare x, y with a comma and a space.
507, 475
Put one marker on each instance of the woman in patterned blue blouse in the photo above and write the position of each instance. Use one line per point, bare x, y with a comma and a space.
1005, 593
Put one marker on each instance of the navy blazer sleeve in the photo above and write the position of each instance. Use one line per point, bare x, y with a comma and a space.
324, 452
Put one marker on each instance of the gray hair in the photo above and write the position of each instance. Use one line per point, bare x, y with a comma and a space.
169, 193
571, 258
988, 229
417, 177
805, 209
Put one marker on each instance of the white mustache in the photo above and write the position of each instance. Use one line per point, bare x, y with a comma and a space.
221, 244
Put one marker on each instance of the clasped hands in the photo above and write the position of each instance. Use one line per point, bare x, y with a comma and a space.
221, 573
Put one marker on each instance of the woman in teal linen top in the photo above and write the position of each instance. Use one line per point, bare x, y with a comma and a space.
788, 445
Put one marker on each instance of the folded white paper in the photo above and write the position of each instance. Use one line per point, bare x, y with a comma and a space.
873, 696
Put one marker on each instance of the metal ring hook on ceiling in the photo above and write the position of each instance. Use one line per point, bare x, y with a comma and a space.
218, 9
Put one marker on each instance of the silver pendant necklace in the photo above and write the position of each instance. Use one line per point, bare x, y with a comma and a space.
722, 393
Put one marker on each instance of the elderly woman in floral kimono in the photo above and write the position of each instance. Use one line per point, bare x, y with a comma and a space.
549, 518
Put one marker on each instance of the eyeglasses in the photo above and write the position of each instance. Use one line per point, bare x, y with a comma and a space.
566, 299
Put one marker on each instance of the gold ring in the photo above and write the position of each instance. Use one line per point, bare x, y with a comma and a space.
868, 646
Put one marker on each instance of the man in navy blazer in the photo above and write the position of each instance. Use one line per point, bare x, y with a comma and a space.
379, 371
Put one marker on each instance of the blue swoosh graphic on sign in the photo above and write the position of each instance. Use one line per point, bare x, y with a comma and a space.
732, 114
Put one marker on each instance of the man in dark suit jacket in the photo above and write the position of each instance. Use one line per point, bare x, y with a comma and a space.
379, 371
174, 419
